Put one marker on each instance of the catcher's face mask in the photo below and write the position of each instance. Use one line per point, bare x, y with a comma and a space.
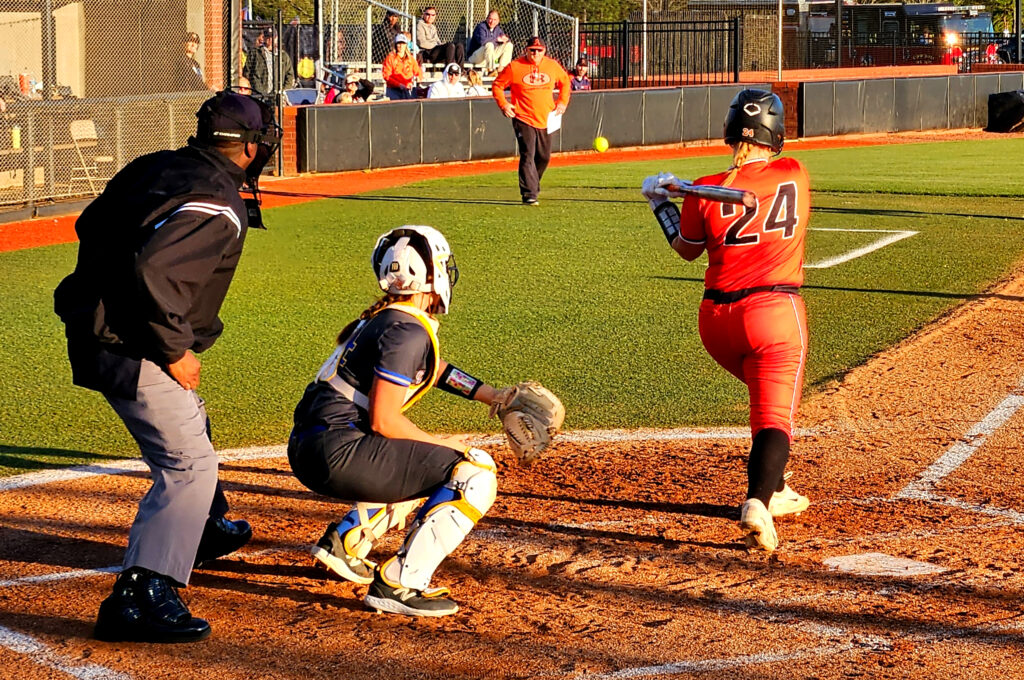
416, 259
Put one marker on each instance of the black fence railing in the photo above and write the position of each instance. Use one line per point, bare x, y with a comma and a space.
818, 50
635, 54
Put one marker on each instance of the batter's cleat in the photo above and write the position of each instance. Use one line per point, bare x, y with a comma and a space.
330, 552
758, 527
787, 502
221, 536
393, 599
145, 607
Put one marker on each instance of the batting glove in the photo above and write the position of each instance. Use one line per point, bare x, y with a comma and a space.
655, 188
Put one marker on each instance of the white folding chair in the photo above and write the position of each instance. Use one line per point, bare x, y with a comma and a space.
83, 135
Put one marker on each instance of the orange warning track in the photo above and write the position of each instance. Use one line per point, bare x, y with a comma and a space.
55, 230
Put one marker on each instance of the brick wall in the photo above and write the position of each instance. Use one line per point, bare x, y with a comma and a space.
991, 68
289, 144
215, 44
789, 93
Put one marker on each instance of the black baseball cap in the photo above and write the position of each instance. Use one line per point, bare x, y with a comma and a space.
535, 41
192, 36
229, 117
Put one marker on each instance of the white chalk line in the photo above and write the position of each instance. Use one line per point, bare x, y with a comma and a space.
894, 235
59, 576
44, 655
134, 466
956, 455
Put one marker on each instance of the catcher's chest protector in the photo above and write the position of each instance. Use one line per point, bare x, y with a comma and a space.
328, 372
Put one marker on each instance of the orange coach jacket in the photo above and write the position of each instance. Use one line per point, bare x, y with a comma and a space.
398, 72
532, 89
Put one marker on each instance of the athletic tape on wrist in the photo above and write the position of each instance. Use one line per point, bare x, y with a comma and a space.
458, 382
668, 219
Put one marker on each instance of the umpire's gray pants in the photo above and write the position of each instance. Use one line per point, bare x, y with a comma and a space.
169, 424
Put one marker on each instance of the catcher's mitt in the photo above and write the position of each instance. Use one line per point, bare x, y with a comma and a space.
530, 414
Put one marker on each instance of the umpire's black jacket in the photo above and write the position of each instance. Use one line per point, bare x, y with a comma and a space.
157, 251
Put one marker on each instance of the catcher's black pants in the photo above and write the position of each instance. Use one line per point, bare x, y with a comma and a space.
534, 156
367, 467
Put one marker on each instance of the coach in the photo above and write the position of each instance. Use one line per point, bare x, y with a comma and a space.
157, 252
532, 79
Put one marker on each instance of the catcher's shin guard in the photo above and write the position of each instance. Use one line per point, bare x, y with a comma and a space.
446, 518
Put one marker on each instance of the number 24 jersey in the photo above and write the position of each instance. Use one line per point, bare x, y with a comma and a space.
760, 246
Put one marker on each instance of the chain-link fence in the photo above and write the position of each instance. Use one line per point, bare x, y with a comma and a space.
88, 85
358, 34
758, 27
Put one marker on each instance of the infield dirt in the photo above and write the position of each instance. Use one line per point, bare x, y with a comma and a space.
610, 560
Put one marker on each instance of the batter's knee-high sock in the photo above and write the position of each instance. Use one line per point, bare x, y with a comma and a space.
768, 455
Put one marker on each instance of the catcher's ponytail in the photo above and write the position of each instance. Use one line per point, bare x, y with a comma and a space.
388, 299
740, 156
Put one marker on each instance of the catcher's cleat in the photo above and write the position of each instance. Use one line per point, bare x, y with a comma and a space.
787, 501
385, 597
758, 527
330, 552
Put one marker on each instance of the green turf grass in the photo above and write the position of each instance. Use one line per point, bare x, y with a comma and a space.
581, 293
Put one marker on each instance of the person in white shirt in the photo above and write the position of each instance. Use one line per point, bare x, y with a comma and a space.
449, 86
476, 84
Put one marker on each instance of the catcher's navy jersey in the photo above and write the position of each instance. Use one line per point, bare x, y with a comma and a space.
393, 345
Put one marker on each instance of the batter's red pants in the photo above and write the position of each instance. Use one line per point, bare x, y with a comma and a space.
762, 340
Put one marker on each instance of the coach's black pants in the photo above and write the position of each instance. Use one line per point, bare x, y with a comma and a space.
367, 467
534, 156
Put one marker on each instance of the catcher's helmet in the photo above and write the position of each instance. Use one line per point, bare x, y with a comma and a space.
415, 259
756, 116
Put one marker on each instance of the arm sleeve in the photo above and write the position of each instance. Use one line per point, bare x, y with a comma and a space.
691, 221
173, 268
387, 68
503, 80
403, 354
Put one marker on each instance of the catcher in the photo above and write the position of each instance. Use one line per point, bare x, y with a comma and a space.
352, 441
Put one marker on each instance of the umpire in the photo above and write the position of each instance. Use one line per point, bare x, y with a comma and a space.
157, 251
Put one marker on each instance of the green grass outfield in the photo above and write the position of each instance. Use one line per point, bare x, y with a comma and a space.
581, 293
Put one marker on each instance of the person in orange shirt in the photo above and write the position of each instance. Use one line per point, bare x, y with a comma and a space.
752, 320
532, 79
401, 70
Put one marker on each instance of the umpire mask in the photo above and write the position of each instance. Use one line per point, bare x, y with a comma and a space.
229, 116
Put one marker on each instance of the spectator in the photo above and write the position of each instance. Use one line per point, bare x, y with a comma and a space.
401, 70
244, 86
188, 74
580, 80
432, 50
384, 37
357, 90
476, 84
449, 86
532, 79
490, 48
260, 70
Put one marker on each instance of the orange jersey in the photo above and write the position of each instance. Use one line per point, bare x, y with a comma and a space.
532, 87
751, 247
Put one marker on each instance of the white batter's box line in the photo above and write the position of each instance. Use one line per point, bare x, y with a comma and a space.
923, 488
44, 655
892, 236
135, 466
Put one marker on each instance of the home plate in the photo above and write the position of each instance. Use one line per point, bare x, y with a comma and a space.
880, 564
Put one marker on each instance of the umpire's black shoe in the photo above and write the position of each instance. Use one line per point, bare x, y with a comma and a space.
221, 537
145, 607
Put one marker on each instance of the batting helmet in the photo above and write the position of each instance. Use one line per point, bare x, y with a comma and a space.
415, 259
756, 116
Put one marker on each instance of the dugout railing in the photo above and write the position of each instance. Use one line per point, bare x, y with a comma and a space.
661, 53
